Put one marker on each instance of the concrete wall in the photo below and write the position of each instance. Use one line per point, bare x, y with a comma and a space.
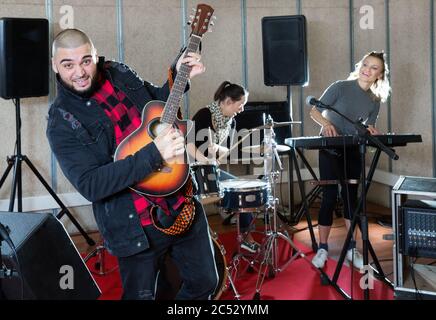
148, 34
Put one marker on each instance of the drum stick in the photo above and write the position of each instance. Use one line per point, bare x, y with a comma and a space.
210, 137
211, 142
235, 145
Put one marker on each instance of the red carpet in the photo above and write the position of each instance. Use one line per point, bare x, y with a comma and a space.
110, 283
298, 281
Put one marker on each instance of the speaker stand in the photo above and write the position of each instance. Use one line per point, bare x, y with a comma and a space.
3, 270
15, 161
290, 162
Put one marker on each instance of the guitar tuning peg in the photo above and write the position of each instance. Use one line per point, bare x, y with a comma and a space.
193, 9
191, 16
214, 17
212, 23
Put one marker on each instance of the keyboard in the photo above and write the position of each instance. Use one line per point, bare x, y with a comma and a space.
319, 142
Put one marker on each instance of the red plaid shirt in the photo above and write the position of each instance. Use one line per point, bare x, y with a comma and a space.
126, 119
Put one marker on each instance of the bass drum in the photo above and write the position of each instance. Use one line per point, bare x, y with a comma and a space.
169, 281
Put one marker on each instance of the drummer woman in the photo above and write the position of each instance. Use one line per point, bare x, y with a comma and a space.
214, 126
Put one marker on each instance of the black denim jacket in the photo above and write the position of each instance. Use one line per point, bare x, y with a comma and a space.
82, 138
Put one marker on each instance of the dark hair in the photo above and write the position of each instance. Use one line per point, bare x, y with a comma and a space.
70, 39
229, 90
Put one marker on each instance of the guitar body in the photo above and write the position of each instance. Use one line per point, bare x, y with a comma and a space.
174, 173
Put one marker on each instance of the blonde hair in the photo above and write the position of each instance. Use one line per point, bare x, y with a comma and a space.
70, 39
381, 88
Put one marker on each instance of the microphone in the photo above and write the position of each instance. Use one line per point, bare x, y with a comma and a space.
312, 101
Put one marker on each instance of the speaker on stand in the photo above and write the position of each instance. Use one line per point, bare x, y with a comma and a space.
24, 58
285, 63
284, 45
24, 67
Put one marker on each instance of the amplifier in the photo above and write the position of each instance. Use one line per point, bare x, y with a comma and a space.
417, 227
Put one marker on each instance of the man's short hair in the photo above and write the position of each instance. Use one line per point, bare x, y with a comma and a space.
70, 39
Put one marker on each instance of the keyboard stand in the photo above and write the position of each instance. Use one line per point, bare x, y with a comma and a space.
307, 200
313, 194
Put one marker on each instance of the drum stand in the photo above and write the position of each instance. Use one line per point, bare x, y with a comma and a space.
232, 284
228, 269
249, 258
269, 249
231, 271
100, 263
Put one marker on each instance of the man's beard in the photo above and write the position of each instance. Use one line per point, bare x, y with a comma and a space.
83, 93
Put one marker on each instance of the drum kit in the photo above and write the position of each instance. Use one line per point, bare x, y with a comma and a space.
258, 196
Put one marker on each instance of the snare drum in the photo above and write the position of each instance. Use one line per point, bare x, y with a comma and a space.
244, 195
207, 182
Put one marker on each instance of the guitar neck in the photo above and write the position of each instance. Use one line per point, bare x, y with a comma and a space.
172, 105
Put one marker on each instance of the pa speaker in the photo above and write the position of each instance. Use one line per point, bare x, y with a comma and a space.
24, 57
284, 47
47, 262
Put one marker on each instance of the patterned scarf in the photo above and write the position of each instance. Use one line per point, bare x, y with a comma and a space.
221, 123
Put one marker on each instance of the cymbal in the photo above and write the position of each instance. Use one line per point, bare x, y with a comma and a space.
260, 148
276, 124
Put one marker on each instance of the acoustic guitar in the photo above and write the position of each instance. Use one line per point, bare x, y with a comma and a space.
158, 115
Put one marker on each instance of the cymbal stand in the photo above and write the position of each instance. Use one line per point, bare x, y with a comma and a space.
269, 249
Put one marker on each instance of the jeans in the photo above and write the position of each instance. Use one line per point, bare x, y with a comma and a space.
331, 167
192, 253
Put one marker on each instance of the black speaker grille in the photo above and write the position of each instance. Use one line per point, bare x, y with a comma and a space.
43, 247
24, 57
284, 50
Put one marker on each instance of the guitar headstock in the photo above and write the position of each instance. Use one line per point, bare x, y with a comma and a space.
202, 19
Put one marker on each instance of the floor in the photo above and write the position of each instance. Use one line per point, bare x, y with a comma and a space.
382, 248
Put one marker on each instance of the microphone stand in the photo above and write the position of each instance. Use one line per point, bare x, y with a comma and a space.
360, 212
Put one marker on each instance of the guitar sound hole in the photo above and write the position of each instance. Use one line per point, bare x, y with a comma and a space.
156, 127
